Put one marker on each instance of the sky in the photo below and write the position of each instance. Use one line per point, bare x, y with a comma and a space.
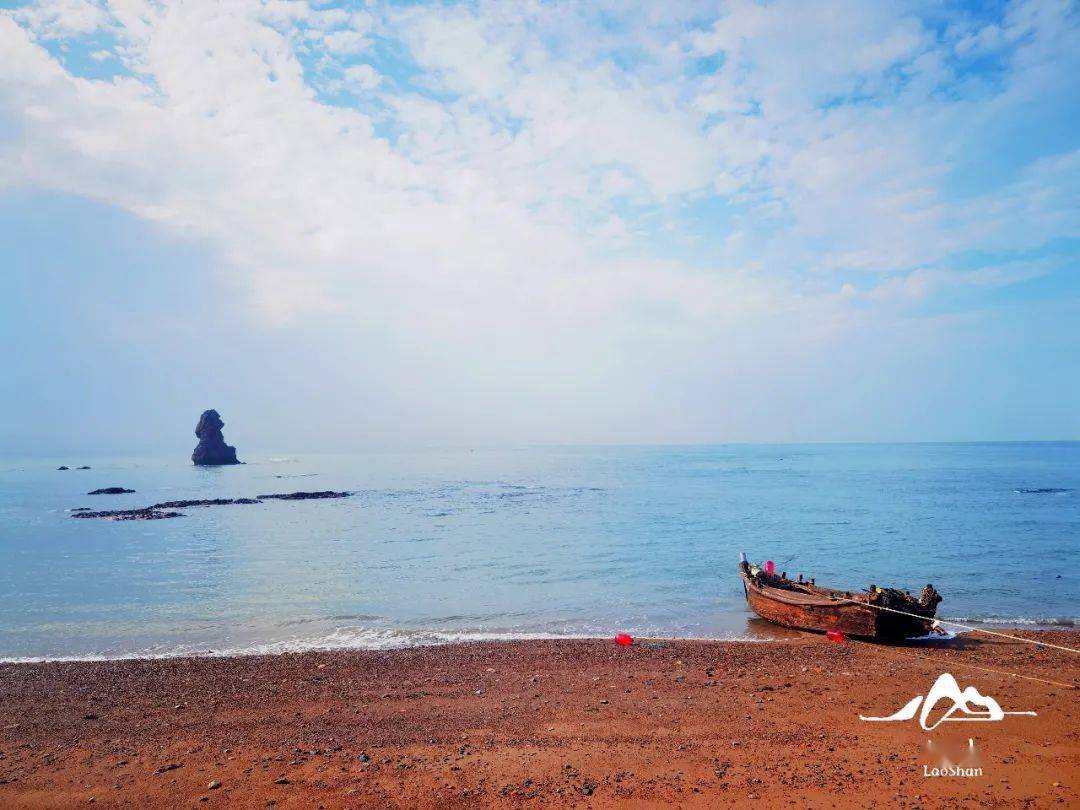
353, 225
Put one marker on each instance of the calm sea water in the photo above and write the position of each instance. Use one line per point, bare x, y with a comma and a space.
445, 545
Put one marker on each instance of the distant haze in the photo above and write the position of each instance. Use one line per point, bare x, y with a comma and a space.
470, 224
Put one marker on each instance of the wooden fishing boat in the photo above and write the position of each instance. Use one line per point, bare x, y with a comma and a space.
880, 614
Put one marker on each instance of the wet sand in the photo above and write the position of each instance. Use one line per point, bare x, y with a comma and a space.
552, 723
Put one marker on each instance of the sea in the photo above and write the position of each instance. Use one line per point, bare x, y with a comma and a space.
533, 542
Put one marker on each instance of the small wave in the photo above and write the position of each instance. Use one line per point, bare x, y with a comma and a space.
1040, 621
1041, 490
342, 639
345, 617
356, 639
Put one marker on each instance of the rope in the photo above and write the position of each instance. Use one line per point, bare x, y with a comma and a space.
966, 626
878, 648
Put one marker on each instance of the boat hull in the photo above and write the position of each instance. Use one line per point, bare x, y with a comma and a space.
820, 614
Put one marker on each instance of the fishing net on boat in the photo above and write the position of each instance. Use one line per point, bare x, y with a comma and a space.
893, 599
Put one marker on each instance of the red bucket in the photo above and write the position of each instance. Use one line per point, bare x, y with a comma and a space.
624, 639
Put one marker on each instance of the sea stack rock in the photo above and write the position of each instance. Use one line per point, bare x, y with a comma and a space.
212, 450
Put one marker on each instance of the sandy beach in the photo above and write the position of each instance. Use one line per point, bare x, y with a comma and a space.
554, 723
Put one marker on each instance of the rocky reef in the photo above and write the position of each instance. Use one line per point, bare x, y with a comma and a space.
304, 496
110, 491
167, 509
146, 513
211, 450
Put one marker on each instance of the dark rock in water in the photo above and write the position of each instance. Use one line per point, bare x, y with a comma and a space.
165, 508
210, 502
63, 468
82, 468
146, 513
110, 491
212, 450
304, 496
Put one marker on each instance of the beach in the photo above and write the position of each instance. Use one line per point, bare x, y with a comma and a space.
545, 722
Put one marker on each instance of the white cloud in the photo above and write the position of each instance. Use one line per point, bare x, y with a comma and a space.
51, 19
541, 167
362, 77
345, 42
923, 282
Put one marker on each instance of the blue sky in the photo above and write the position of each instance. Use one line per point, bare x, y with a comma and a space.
358, 224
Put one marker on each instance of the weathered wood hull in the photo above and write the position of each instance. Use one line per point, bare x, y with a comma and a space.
820, 614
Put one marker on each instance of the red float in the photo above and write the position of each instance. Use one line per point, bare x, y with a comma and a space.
624, 639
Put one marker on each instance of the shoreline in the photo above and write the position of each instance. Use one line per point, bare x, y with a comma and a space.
559, 722
758, 631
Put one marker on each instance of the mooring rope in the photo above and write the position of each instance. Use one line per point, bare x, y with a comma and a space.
965, 626
878, 648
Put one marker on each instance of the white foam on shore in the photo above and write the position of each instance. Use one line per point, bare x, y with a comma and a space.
352, 639
1004, 621
945, 635
372, 638
369, 638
